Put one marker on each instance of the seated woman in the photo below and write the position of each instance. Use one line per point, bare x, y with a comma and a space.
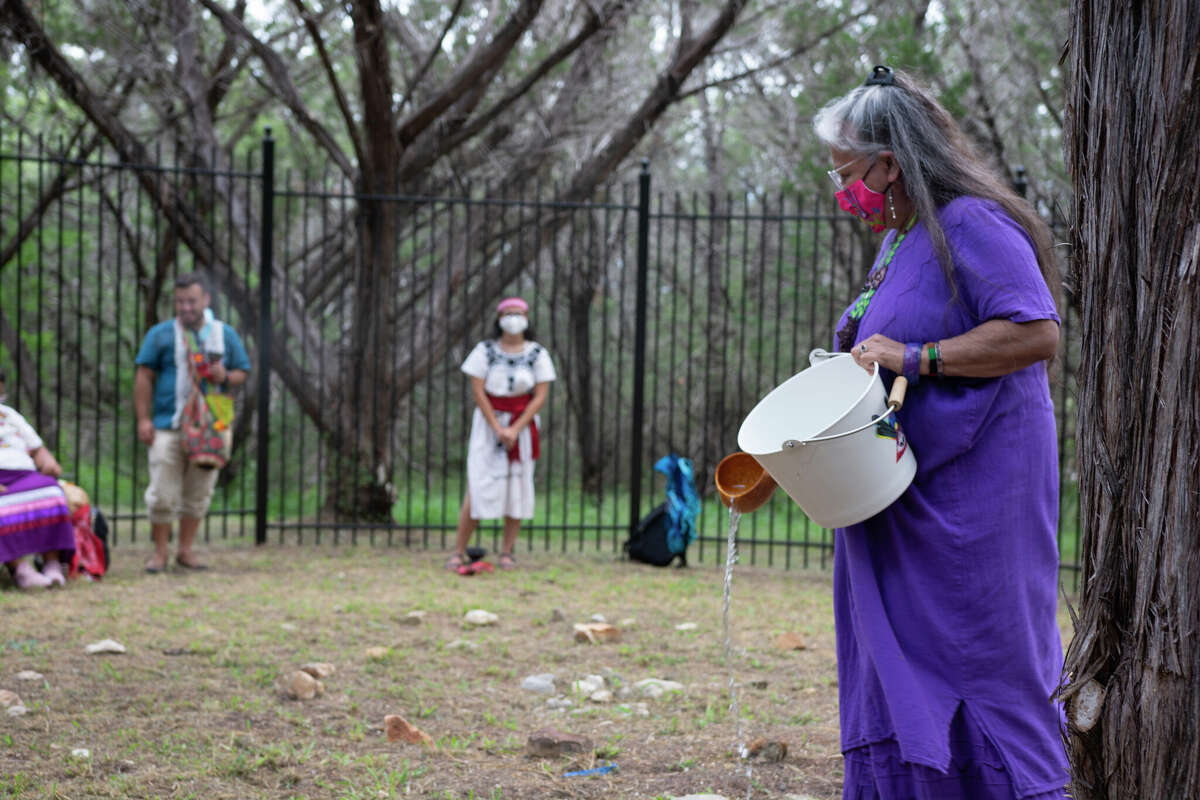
33, 509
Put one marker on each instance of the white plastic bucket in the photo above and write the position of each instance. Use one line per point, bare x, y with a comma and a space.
804, 434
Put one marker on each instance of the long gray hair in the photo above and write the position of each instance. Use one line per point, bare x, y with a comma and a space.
937, 162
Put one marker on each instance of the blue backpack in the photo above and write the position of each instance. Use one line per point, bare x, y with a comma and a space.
665, 533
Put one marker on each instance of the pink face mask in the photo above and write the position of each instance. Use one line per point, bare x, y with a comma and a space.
865, 203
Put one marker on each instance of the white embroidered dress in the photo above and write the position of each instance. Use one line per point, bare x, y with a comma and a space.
497, 486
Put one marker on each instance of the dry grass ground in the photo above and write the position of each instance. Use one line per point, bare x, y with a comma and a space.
191, 710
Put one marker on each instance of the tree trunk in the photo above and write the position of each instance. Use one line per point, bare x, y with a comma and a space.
1134, 110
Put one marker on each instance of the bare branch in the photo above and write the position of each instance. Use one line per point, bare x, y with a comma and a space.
343, 105
436, 147
775, 63
415, 80
278, 71
478, 69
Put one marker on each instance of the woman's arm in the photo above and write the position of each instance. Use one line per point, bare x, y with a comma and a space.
997, 347
46, 463
485, 405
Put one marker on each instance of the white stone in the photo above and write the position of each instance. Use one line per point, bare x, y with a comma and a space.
628, 622
8, 698
17, 710
686, 626
81, 752
655, 688
601, 696
479, 617
105, 646
1086, 705
559, 702
598, 618
290, 627
542, 684
460, 644
29, 675
587, 685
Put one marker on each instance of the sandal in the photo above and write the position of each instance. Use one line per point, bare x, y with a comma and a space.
454, 562
507, 561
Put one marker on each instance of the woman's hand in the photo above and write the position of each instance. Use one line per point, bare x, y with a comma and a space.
508, 437
878, 348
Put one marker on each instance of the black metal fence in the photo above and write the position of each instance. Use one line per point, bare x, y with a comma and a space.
667, 316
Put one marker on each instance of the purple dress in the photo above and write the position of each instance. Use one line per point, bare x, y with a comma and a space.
947, 644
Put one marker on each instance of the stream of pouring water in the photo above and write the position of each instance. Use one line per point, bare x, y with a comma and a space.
734, 706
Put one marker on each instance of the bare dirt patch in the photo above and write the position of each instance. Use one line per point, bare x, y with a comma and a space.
192, 710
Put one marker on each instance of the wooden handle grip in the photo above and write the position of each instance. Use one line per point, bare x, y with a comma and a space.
899, 387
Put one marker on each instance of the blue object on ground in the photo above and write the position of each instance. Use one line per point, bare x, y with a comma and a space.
683, 504
609, 767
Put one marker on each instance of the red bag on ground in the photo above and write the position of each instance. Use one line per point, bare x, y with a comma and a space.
89, 555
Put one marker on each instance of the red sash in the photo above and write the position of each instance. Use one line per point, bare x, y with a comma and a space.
514, 406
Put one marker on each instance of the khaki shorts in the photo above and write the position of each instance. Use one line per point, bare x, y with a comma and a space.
177, 489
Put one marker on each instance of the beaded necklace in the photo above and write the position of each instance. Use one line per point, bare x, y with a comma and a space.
847, 334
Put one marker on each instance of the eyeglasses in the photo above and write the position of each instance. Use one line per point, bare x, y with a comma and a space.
836, 176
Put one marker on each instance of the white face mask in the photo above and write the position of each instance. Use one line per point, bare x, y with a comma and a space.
513, 323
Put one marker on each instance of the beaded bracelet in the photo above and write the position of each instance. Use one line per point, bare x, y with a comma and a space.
912, 363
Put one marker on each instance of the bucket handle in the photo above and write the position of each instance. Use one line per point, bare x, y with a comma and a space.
895, 402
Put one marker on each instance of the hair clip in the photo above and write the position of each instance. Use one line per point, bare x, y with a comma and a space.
881, 76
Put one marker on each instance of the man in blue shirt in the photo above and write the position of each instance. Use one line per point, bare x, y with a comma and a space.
179, 489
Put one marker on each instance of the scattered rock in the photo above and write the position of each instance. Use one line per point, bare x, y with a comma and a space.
462, 644
29, 675
8, 698
598, 618
686, 626
587, 685
596, 632
319, 669
635, 709
81, 753
655, 688
628, 622
478, 617
757, 685
768, 751
377, 653
290, 627
301, 686
601, 696
552, 743
789, 641
557, 615
16, 710
124, 765
105, 646
401, 730
412, 618
542, 684
559, 702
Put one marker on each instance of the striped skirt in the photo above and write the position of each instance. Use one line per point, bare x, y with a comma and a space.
33, 515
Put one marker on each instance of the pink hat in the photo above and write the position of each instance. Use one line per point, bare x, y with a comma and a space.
512, 304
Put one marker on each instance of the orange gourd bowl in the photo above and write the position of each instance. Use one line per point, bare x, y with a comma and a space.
742, 482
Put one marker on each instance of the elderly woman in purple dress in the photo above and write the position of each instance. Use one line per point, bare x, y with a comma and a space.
34, 518
947, 645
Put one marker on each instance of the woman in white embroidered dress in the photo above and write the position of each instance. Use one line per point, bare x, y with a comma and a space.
510, 378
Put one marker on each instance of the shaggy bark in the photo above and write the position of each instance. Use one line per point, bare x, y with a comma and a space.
1133, 113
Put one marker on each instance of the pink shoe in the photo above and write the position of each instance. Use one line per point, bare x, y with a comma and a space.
53, 571
29, 578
